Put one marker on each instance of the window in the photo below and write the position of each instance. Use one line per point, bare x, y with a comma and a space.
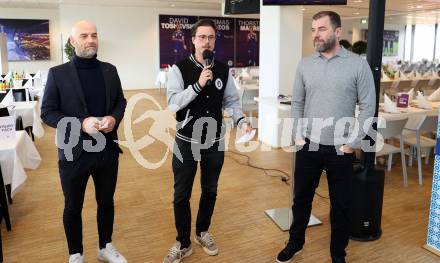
437, 45
424, 42
408, 37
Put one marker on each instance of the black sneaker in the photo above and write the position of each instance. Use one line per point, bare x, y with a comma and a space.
338, 260
286, 255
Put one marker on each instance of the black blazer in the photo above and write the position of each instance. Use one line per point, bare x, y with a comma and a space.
63, 97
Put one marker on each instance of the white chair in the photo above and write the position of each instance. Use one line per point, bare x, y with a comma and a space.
405, 85
387, 87
254, 72
417, 142
161, 79
43, 77
393, 129
432, 86
247, 97
248, 103
422, 84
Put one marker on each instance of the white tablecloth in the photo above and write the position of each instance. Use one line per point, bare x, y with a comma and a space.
16, 155
413, 114
30, 113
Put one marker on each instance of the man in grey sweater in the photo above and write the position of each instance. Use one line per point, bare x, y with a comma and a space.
327, 87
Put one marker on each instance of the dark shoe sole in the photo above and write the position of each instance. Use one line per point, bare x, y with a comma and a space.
290, 260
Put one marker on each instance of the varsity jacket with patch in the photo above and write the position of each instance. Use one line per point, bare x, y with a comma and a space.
199, 108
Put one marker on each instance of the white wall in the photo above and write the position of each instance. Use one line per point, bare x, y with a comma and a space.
54, 29
128, 37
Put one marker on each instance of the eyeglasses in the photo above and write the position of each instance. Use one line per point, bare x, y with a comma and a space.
205, 37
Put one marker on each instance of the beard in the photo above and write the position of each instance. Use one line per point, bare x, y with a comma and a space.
326, 45
87, 52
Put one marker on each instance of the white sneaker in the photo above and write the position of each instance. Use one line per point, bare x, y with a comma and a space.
76, 258
110, 254
176, 255
206, 240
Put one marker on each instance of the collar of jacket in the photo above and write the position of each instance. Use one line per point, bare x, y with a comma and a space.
198, 64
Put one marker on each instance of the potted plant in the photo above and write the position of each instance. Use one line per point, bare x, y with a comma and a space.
69, 50
391, 73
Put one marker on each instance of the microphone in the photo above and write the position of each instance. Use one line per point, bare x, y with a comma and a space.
208, 57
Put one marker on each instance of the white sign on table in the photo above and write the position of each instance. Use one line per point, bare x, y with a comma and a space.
7, 128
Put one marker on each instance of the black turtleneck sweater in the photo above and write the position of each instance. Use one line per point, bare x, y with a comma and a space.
92, 84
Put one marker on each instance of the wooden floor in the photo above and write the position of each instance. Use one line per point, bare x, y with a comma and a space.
144, 224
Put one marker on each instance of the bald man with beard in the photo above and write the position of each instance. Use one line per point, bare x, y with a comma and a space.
86, 94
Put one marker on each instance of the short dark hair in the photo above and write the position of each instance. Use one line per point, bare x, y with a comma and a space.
335, 19
203, 22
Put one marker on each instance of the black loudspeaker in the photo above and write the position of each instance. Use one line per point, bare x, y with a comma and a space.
367, 197
368, 180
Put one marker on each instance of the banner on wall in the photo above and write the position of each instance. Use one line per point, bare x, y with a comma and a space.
390, 42
237, 40
174, 38
247, 39
224, 40
27, 39
433, 240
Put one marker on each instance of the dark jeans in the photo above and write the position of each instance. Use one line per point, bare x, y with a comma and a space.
211, 163
103, 166
308, 168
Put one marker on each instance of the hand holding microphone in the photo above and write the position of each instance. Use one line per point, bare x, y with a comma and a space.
206, 76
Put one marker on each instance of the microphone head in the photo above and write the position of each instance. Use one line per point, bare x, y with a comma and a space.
207, 54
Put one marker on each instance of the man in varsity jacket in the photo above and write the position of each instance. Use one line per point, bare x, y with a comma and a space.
199, 93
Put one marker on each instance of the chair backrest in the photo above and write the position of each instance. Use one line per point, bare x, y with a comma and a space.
254, 71
393, 128
19, 94
19, 124
404, 85
429, 124
43, 74
247, 99
384, 85
422, 83
434, 82
4, 112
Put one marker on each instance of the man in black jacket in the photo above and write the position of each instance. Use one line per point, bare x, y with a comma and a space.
84, 101
199, 93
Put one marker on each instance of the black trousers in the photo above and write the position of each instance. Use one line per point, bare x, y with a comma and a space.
103, 167
211, 162
308, 168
